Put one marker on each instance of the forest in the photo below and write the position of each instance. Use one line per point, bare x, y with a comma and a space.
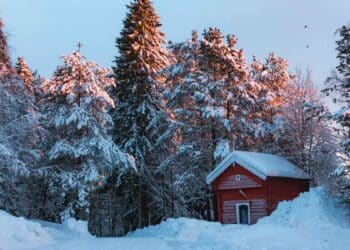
130, 145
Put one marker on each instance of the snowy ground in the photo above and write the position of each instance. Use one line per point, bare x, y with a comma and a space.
313, 221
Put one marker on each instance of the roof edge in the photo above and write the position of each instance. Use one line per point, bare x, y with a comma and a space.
232, 158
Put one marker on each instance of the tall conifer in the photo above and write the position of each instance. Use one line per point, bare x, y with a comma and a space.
5, 64
138, 114
79, 149
24, 72
207, 95
339, 82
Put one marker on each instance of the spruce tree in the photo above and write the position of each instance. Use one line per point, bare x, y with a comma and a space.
339, 83
24, 72
208, 97
272, 78
20, 134
138, 115
343, 49
269, 84
5, 64
79, 149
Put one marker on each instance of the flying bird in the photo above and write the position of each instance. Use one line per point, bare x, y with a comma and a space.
306, 26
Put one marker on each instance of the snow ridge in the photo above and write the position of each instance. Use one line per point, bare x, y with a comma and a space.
313, 221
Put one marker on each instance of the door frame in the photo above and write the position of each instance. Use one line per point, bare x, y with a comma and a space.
238, 204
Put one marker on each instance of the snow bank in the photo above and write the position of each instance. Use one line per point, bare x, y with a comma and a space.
314, 209
179, 229
19, 233
78, 226
184, 233
313, 221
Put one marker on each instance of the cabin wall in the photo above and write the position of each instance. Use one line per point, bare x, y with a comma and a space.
227, 180
229, 198
263, 196
281, 189
248, 189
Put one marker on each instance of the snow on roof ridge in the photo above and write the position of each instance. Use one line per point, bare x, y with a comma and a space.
261, 164
251, 167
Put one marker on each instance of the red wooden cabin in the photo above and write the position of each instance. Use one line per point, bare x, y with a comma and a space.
249, 185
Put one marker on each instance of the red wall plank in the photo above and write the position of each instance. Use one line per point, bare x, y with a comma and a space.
281, 189
227, 180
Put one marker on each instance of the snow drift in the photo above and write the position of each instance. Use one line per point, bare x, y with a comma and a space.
16, 233
313, 221
314, 209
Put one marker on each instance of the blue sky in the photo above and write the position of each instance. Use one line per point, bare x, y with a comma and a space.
42, 30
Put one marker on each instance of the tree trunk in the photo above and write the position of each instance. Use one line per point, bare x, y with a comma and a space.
105, 217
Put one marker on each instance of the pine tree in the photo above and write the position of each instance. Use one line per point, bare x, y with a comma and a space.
79, 149
226, 86
5, 64
339, 83
269, 84
20, 134
4, 59
273, 79
194, 152
343, 52
207, 96
139, 114
24, 72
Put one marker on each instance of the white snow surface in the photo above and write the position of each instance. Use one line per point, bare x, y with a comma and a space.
262, 165
17, 233
313, 221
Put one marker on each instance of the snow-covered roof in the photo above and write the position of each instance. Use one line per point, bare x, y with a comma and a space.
262, 165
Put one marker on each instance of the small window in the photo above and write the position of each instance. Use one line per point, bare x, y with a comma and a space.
238, 177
